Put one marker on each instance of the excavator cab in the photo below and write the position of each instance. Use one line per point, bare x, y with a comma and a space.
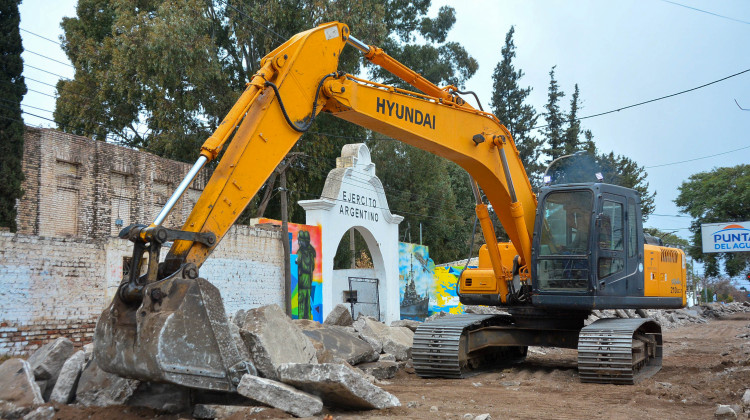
587, 250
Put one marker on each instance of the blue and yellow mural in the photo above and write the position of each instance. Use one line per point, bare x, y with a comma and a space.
424, 288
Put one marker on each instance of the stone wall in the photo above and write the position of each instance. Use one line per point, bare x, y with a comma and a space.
63, 266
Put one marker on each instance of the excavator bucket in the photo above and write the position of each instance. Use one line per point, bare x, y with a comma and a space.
178, 334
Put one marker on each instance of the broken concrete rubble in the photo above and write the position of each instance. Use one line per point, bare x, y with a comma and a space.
41, 413
372, 331
47, 361
339, 315
337, 385
394, 340
168, 398
273, 339
17, 385
380, 370
724, 412
216, 411
67, 380
399, 342
335, 343
99, 388
9, 410
408, 323
280, 395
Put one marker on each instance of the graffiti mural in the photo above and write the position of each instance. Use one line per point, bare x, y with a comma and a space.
415, 271
306, 260
443, 296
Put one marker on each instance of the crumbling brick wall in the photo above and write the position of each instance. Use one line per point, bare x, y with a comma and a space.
63, 266
79, 187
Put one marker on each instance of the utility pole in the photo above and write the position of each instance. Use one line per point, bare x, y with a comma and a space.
352, 249
281, 170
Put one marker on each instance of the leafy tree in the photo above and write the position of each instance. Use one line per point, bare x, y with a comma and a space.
161, 75
509, 107
720, 195
623, 171
12, 90
554, 132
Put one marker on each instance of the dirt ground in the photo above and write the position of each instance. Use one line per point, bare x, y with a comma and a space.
704, 365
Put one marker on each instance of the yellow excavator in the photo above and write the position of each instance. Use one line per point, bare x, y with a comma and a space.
578, 248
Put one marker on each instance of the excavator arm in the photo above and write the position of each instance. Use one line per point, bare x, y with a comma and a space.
168, 324
299, 80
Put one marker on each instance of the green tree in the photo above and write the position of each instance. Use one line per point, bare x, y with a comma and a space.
717, 196
571, 142
623, 171
161, 75
554, 132
12, 90
508, 106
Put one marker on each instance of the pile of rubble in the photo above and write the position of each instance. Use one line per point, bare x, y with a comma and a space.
301, 366
672, 318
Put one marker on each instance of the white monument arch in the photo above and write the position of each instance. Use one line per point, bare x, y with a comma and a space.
353, 197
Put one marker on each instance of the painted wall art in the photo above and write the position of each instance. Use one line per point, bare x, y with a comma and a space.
306, 260
415, 272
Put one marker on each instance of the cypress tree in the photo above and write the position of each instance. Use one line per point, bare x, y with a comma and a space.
509, 107
554, 132
12, 89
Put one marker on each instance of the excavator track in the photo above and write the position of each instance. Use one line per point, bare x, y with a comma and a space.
439, 350
619, 351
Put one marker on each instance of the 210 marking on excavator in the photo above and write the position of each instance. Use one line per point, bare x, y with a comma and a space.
403, 112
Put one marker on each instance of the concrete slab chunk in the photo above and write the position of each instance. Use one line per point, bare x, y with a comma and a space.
99, 388
279, 395
216, 411
334, 343
398, 342
380, 370
41, 413
67, 380
273, 339
17, 385
339, 315
49, 359
338, 385
408, 323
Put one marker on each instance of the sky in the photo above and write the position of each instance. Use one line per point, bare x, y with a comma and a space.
618, 52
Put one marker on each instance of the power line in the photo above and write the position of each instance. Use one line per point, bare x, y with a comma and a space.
54, 74
652, 100
38, 116
43, 37
27, 106
48, 58
39, 81
698, 158
707, 12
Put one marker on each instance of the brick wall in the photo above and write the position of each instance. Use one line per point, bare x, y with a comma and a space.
79, 187
63, 266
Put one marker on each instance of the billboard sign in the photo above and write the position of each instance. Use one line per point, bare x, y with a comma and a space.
726, 237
